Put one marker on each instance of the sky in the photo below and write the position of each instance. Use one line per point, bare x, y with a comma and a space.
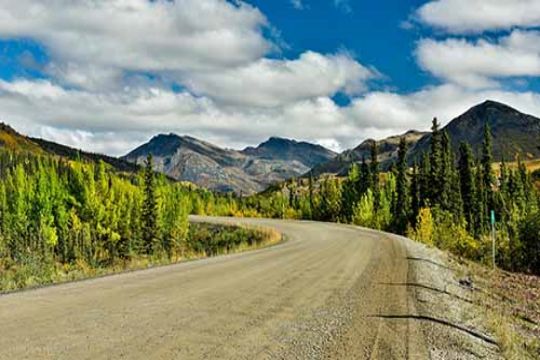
107, 75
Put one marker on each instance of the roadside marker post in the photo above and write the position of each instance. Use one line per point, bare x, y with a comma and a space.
493, 236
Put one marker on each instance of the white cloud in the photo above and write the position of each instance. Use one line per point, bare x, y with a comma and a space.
90, 41
115, 123
481, 63
276, 82
475, 16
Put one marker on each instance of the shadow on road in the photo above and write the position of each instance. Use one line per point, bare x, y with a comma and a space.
426, 287
428, 261
442, 322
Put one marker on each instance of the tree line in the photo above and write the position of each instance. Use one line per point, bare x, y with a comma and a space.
444, 198
60, 216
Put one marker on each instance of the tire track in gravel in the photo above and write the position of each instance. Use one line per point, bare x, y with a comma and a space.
317, 295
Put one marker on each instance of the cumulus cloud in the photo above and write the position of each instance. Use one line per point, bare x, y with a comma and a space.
90, 41
481, 63
117, 122
475, 16
276, 82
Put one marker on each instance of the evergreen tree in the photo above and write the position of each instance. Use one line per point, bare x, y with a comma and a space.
374, 172
467, 181
436, 165
149, 210
425, 181
350, 193
415, 195
480, 212
401, 209
487, 172
365, 178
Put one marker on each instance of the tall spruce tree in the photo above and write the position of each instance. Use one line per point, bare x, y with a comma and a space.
149, 210
487, 171
374, 172
467, 182
401, 208
446, 174
365, 178
416, 199
349, 194
425, 181
435, 161
480, 212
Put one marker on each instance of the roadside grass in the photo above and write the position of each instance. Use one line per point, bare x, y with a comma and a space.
204, 240
509, 303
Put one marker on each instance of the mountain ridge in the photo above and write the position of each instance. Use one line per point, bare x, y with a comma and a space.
513, 133
244, 171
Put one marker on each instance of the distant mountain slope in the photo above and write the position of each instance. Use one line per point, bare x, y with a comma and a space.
387, 152
11, 139
248, 171
289, 150
513, 132
76, 154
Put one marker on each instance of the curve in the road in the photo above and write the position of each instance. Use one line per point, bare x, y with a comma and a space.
319, 294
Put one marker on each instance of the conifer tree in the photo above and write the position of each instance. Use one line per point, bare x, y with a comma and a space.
467, 182
435, 161
415, 195
425, 181
149, 210
365, 177
480, 211
374, 172
350, 193
401, 208
487, 172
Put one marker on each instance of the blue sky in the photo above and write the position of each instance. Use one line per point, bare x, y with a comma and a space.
108, 75
371, 30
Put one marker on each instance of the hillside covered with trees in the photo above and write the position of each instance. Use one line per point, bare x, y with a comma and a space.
445, 200
62, 219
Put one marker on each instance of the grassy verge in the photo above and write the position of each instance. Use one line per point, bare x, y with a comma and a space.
203, 240
510, 305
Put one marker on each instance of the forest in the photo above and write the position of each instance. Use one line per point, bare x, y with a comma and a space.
443, 199
63, 219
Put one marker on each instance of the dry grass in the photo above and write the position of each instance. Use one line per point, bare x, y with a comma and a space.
37, 273
510, 304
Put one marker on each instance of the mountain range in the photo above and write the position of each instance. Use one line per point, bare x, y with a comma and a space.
244, 172
253, 169
513, 133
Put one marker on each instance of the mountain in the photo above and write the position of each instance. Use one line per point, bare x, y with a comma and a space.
290, 150
11, 139
387, 153
513, 132
247, 171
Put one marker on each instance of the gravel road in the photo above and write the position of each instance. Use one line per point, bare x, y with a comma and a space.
324, 293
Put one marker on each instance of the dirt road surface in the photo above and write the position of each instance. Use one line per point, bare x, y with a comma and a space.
323, 293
